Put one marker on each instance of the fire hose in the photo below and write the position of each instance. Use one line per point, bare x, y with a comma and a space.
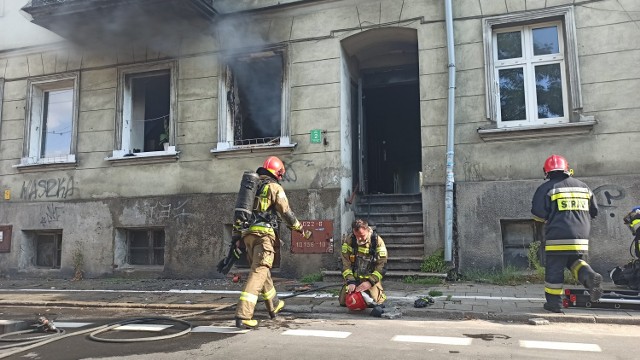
56, 334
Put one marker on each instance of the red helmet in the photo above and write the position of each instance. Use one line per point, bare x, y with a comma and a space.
355, 301
556, 163
275, 166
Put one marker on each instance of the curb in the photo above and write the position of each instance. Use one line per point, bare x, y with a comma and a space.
433, 314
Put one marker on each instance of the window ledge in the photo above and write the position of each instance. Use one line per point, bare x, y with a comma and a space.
27, 164
262, 149
539, 131
149, 157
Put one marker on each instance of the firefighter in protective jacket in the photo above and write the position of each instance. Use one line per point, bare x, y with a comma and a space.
364, 257
566, 206
270, 205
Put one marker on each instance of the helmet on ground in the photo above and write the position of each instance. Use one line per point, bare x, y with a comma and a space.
556, 163
355, 301
275, 166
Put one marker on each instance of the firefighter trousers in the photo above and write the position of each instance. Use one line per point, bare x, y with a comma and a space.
554, 275
376, 292
260, 254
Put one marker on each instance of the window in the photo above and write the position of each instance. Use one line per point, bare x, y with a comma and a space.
48, 250
532, 71
517, 239
145, 119
51, 117
253, 109
145, 247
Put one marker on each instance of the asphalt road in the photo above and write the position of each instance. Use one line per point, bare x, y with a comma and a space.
335, 337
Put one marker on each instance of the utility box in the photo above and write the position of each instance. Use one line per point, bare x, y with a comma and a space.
320, 242
5, 238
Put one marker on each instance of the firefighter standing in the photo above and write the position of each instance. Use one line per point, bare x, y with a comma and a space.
566, 205
270, 205
364, 256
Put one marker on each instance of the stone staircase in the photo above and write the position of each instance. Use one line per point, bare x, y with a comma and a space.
398, 220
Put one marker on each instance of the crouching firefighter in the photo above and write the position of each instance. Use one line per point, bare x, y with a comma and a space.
364, 257
629, 273
566, 206
259, 232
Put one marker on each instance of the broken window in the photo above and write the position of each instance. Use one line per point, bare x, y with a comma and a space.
52, 117
253, 113
146, 117
146, 120
48, 250
145, 247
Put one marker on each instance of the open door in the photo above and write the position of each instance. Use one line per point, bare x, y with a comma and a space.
385, 114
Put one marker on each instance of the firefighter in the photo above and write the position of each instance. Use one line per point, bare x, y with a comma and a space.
566, 206
269, 207
364, 257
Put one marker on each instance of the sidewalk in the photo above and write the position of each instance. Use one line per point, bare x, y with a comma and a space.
459, 301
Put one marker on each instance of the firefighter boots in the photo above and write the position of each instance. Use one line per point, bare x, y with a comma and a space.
246, 324
273, 314
551, 308
593, 283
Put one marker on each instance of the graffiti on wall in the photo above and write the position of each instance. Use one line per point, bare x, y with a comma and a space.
50, 214
59, 188
290, 174
605, 195
162, 212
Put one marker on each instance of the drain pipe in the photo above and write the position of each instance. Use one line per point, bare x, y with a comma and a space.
448, 198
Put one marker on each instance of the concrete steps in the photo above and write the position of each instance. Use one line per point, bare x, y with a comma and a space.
398, 220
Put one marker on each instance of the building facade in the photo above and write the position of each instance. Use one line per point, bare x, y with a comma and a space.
126, 126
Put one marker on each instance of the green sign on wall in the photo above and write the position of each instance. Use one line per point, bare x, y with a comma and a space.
316, 136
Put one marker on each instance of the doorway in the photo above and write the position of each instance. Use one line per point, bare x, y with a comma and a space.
386, 152
392, 138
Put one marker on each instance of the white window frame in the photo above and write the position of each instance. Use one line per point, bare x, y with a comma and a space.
564, 18
225, 122
32, 143
126, 74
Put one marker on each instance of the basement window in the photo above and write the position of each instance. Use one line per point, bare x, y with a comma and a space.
146, 112
48, 250
253, 109
517, 236
145, 247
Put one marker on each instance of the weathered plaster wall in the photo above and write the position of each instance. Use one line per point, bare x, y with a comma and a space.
194, 224
482, 205
606, 33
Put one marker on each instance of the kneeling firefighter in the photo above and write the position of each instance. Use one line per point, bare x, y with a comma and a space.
257, 230
629, 274
364, 257
566, 206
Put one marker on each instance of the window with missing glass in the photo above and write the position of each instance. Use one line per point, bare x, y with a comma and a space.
146, 111
532, 68
253, 110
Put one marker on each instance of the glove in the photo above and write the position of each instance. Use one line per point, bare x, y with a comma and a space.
227, 263
423, 302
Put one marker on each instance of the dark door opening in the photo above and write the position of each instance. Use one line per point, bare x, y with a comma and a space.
392, 138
